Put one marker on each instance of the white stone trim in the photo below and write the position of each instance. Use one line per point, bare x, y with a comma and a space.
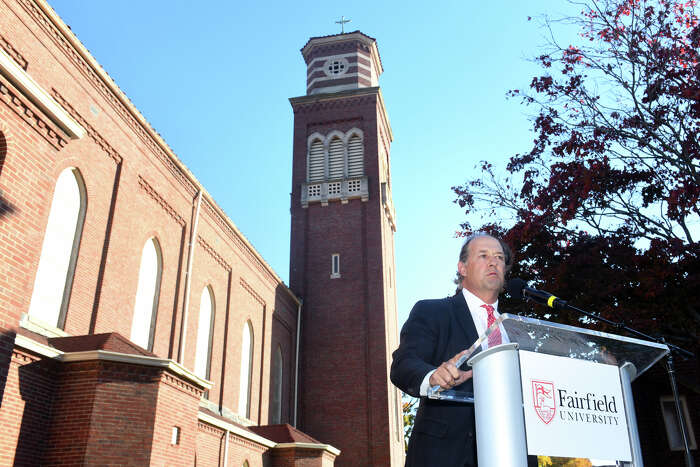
360, 66
334, 77
329, 137
354, 131
326, 57
341, 61
334, 89
238, 431
322, 68
322, 193
326, 447
40, 327
225, 412
39, 97
36, 347
137, 360
51, 352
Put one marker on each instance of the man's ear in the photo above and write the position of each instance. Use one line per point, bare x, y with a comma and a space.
462, 268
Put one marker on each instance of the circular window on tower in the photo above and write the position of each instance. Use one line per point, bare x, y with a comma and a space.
336, 66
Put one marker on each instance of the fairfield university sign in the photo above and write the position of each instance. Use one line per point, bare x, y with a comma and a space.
573, 408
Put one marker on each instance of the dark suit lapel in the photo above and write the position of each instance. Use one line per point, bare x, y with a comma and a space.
462, 315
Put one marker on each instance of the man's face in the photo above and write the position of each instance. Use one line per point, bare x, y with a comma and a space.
484, 269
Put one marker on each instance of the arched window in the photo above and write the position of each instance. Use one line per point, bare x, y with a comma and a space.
316, 167
59, 252
147, 292
336, 159
204, 334
355, 157
276, 387
246, 370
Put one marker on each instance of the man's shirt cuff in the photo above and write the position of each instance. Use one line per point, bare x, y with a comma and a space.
425, 385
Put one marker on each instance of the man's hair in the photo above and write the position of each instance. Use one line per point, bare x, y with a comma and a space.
464, 254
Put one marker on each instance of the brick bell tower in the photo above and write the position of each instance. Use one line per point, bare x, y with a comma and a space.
342, 253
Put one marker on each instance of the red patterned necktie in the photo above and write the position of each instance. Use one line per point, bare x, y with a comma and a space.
495, 336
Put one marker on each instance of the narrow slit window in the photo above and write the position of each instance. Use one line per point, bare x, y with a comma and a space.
335, 266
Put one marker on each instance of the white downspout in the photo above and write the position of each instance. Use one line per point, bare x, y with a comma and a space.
226, 449
188, 280
296, 364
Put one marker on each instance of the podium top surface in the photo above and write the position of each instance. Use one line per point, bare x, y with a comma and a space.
569, 341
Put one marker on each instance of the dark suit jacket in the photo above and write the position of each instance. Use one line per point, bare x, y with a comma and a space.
443, 433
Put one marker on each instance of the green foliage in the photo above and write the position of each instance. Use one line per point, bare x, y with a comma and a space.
409, 406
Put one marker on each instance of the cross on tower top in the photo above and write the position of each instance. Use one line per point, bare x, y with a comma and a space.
342, 24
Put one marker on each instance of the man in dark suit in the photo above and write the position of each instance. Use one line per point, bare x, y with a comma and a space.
435, 335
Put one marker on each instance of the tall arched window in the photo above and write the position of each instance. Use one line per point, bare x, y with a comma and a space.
147, 292
59, 252
246, 370
355, 157
336, 159
276, 387
316, 167
204, 334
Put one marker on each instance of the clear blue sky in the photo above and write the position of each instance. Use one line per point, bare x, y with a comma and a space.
214, 80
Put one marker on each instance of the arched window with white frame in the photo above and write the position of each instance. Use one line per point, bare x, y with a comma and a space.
356, 159
202, 359
336, 159
59, 251
147, 294
246, 370
276, 387
316, 162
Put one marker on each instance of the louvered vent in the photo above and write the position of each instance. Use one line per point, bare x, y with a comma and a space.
335, 159
355, 157
316, 170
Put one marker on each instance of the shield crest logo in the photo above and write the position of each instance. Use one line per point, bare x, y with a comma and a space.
543, 400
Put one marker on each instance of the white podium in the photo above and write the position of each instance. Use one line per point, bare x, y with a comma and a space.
557, 390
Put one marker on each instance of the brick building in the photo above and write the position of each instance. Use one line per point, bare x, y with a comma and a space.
342, 252
137, 324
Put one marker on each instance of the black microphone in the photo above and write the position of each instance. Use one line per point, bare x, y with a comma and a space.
518, 289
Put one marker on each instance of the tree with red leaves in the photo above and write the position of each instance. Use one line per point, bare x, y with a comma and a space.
604, 207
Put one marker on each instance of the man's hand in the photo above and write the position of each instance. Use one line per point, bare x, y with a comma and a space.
448, 375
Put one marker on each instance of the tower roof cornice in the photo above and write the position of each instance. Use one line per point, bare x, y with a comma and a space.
370, 42
302, 101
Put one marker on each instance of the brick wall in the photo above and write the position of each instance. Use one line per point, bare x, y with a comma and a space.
345, 349
103, 412
301, 457
177, 406
241, 450
26, 409
135, 189
210, 445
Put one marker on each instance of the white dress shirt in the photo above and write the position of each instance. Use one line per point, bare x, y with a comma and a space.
480, 318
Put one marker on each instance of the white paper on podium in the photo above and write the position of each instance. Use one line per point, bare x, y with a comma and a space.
573, 408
